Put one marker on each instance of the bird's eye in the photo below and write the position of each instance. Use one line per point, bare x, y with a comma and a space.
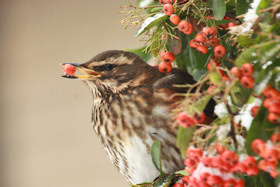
108, 67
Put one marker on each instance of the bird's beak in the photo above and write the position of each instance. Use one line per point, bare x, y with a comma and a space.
87, 74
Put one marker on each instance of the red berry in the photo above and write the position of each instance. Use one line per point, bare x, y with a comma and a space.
254, 110
164, 67
274, 117
190, 163
247, 69
193, 44
229, 183
202, 48
219, 148
178, 185
167, 56
225, 168
185, 120
247, 82
219, 50
199, 118
271, 155
194, 154
215, 180
207, 161
268, 102
200, 38
209, 32
185, 179
239, 168
266, 165
212, 42
168, 9
203, 176
274, 108
229, 157
239, 183
272, 93
217, 162
227, 18
185, 27
274, 173
237, 72
175, 19
258, 146
231, 24
69, 69
250, 161
252, 171
211, 63
275, 138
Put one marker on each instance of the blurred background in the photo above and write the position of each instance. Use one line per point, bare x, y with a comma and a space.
46, 137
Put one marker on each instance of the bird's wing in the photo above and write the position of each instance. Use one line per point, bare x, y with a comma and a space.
165, 88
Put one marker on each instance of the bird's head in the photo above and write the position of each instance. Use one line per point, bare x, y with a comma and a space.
114, 71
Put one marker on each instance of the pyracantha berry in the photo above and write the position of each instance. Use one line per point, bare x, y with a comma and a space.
165, 67
272, 93
237, 72
229, 157
178, 185
219, 50
231, 24
275, 138
168, 9
229, 183
247, 82
69, 69
212, 63
202, 48
185, 27
175, 19
199, 118
185, 120
215, 180
254, 110
200, 38
219, 148
247, 69
193, 44
167, 56
274, 108
203, 176
209, 32
258, 146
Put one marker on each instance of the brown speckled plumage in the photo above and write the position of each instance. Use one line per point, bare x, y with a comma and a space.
132, 108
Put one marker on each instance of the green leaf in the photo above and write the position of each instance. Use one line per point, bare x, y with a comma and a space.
140, 52
156, 158
150, 22
248, 55
245, 41
219, 9
269, 51
184, 137
156, 9
263, 4
164, 182
242, 6
258, 88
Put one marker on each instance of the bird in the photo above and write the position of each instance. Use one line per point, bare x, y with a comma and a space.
132, 107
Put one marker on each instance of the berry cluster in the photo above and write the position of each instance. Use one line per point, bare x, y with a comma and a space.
270, 152
217, 170
188, 121
244, 74
207, 37
227, 25
165, 66
272, 103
